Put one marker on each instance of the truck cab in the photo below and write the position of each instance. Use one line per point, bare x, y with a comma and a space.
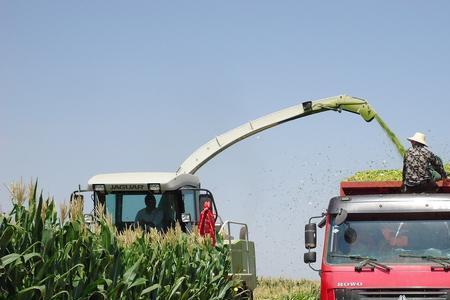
379, 243
179, 200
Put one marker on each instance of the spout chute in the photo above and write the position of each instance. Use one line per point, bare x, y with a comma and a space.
351, 104
338, 103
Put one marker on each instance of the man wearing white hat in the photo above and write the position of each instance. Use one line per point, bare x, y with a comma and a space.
418, 165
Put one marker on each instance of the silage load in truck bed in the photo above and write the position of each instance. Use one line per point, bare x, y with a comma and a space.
383, 175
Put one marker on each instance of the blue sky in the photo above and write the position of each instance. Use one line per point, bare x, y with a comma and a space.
95, 87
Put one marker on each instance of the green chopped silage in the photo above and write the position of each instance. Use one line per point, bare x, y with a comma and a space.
382, 175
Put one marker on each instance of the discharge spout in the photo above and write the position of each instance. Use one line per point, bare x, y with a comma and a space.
221, 142
347, 103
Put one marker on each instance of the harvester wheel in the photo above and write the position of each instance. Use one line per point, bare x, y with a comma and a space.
244, 294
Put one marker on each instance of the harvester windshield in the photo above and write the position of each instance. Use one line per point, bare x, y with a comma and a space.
406, 240
129, 208
157, 210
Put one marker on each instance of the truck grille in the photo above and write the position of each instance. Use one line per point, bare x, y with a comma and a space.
389, 294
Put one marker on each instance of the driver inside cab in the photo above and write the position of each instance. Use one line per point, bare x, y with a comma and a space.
149, 216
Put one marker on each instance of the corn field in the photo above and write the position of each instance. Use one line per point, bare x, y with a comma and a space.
46, 255
287, 289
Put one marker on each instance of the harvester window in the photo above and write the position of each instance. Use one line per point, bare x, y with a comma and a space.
110, 203
189, 204
169, 208
123, 208
131, 204
194, 200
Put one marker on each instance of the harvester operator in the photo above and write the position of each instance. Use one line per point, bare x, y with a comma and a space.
149, 216
421, 168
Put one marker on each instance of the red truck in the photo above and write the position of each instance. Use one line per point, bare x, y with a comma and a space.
382, 244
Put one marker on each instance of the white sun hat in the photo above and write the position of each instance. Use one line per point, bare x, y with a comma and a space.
419, 138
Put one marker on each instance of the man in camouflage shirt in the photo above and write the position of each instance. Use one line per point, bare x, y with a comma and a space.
418, 164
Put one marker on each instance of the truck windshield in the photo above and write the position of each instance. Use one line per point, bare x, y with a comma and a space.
389, 240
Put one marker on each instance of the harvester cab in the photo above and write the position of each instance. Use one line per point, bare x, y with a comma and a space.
123, 197
179, 199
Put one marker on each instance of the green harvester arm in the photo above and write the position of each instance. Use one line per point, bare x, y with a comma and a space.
338, 103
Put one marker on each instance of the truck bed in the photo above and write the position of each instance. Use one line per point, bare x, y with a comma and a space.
348, 188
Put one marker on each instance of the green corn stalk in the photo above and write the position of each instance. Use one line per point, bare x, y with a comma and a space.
45, 257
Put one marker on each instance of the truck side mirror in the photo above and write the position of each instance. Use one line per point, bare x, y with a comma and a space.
341, 217
310, 236
309, 257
